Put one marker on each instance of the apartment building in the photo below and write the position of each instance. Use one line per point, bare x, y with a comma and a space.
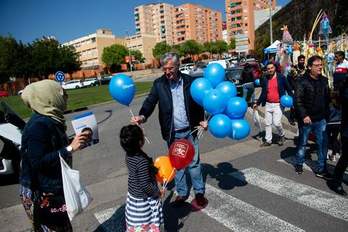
144, 43
195, 22
155, 19
240, 19
90, 47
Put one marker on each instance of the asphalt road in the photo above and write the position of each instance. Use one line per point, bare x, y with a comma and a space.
249, 188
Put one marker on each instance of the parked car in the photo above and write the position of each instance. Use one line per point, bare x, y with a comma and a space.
223, 63
3, 93
185, 70
74, 84
234, 74
105, 80
90, 82
11, 126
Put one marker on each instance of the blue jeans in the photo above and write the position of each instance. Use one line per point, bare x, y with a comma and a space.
319, 129
249, 87
194, 169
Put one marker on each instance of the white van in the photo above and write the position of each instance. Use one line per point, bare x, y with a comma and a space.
223, 63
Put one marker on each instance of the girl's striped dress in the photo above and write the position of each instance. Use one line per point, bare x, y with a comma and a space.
143, 206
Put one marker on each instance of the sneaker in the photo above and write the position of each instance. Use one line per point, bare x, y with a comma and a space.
281, 140
265, 144
337, 188
324, 174
298, 169
201, 200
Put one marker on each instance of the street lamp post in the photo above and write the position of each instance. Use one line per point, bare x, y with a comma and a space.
270, 21
129, 55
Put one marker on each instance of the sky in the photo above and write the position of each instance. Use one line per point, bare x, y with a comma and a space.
27, 20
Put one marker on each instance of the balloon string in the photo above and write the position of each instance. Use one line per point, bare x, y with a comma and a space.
132, 115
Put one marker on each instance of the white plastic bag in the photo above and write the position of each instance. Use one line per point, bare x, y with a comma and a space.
256, 119
77, 198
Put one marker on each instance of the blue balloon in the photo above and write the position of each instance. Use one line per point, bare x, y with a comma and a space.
215, 73
236, 108
228, 89
240, 129
286, 101
214, 102
122, 89
199, 88
257, 82
220, 126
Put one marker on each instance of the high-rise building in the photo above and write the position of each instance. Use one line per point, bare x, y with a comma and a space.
90, 47
155, 19
195, 22
240, 20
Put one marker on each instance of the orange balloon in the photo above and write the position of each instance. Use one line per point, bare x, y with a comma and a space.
166, 171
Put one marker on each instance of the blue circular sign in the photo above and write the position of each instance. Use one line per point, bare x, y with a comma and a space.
60, 77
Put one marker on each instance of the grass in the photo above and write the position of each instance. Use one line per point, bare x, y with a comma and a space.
78, 98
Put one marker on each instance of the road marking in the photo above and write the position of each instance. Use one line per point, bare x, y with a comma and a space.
111, 219
310, 165
325, 202
291, 161
240, 216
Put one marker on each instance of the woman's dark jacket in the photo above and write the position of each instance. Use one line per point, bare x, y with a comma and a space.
160, 93
43, 139
283, 86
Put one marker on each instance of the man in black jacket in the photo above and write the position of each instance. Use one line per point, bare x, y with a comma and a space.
312, 108
178, 116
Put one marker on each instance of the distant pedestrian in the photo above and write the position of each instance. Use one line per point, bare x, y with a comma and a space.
341, 70
273, 86
296, 72
143, 206
43, 142
312, 107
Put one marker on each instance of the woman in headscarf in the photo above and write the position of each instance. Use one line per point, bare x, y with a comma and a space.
43, 141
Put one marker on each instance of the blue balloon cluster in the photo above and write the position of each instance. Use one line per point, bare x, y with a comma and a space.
122, 89
219, 98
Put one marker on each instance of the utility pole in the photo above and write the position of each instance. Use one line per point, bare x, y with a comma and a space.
270, 21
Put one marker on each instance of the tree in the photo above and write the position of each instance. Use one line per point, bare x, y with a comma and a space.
68, 59
191, 47
177, 49
137, 55
113, 56
160, 49
45, 57
220, 47
8, 55
232, 44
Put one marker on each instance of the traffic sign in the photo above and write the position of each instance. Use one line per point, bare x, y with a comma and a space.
60, 77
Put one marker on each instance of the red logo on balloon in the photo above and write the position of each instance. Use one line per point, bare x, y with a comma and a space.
180, 149
181, 153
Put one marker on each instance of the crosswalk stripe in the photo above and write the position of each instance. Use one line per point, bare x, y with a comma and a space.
325, 202
111, 219
291, 161
310, 167
240, 216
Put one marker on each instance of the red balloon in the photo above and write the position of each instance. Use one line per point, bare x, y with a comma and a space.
181, 153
